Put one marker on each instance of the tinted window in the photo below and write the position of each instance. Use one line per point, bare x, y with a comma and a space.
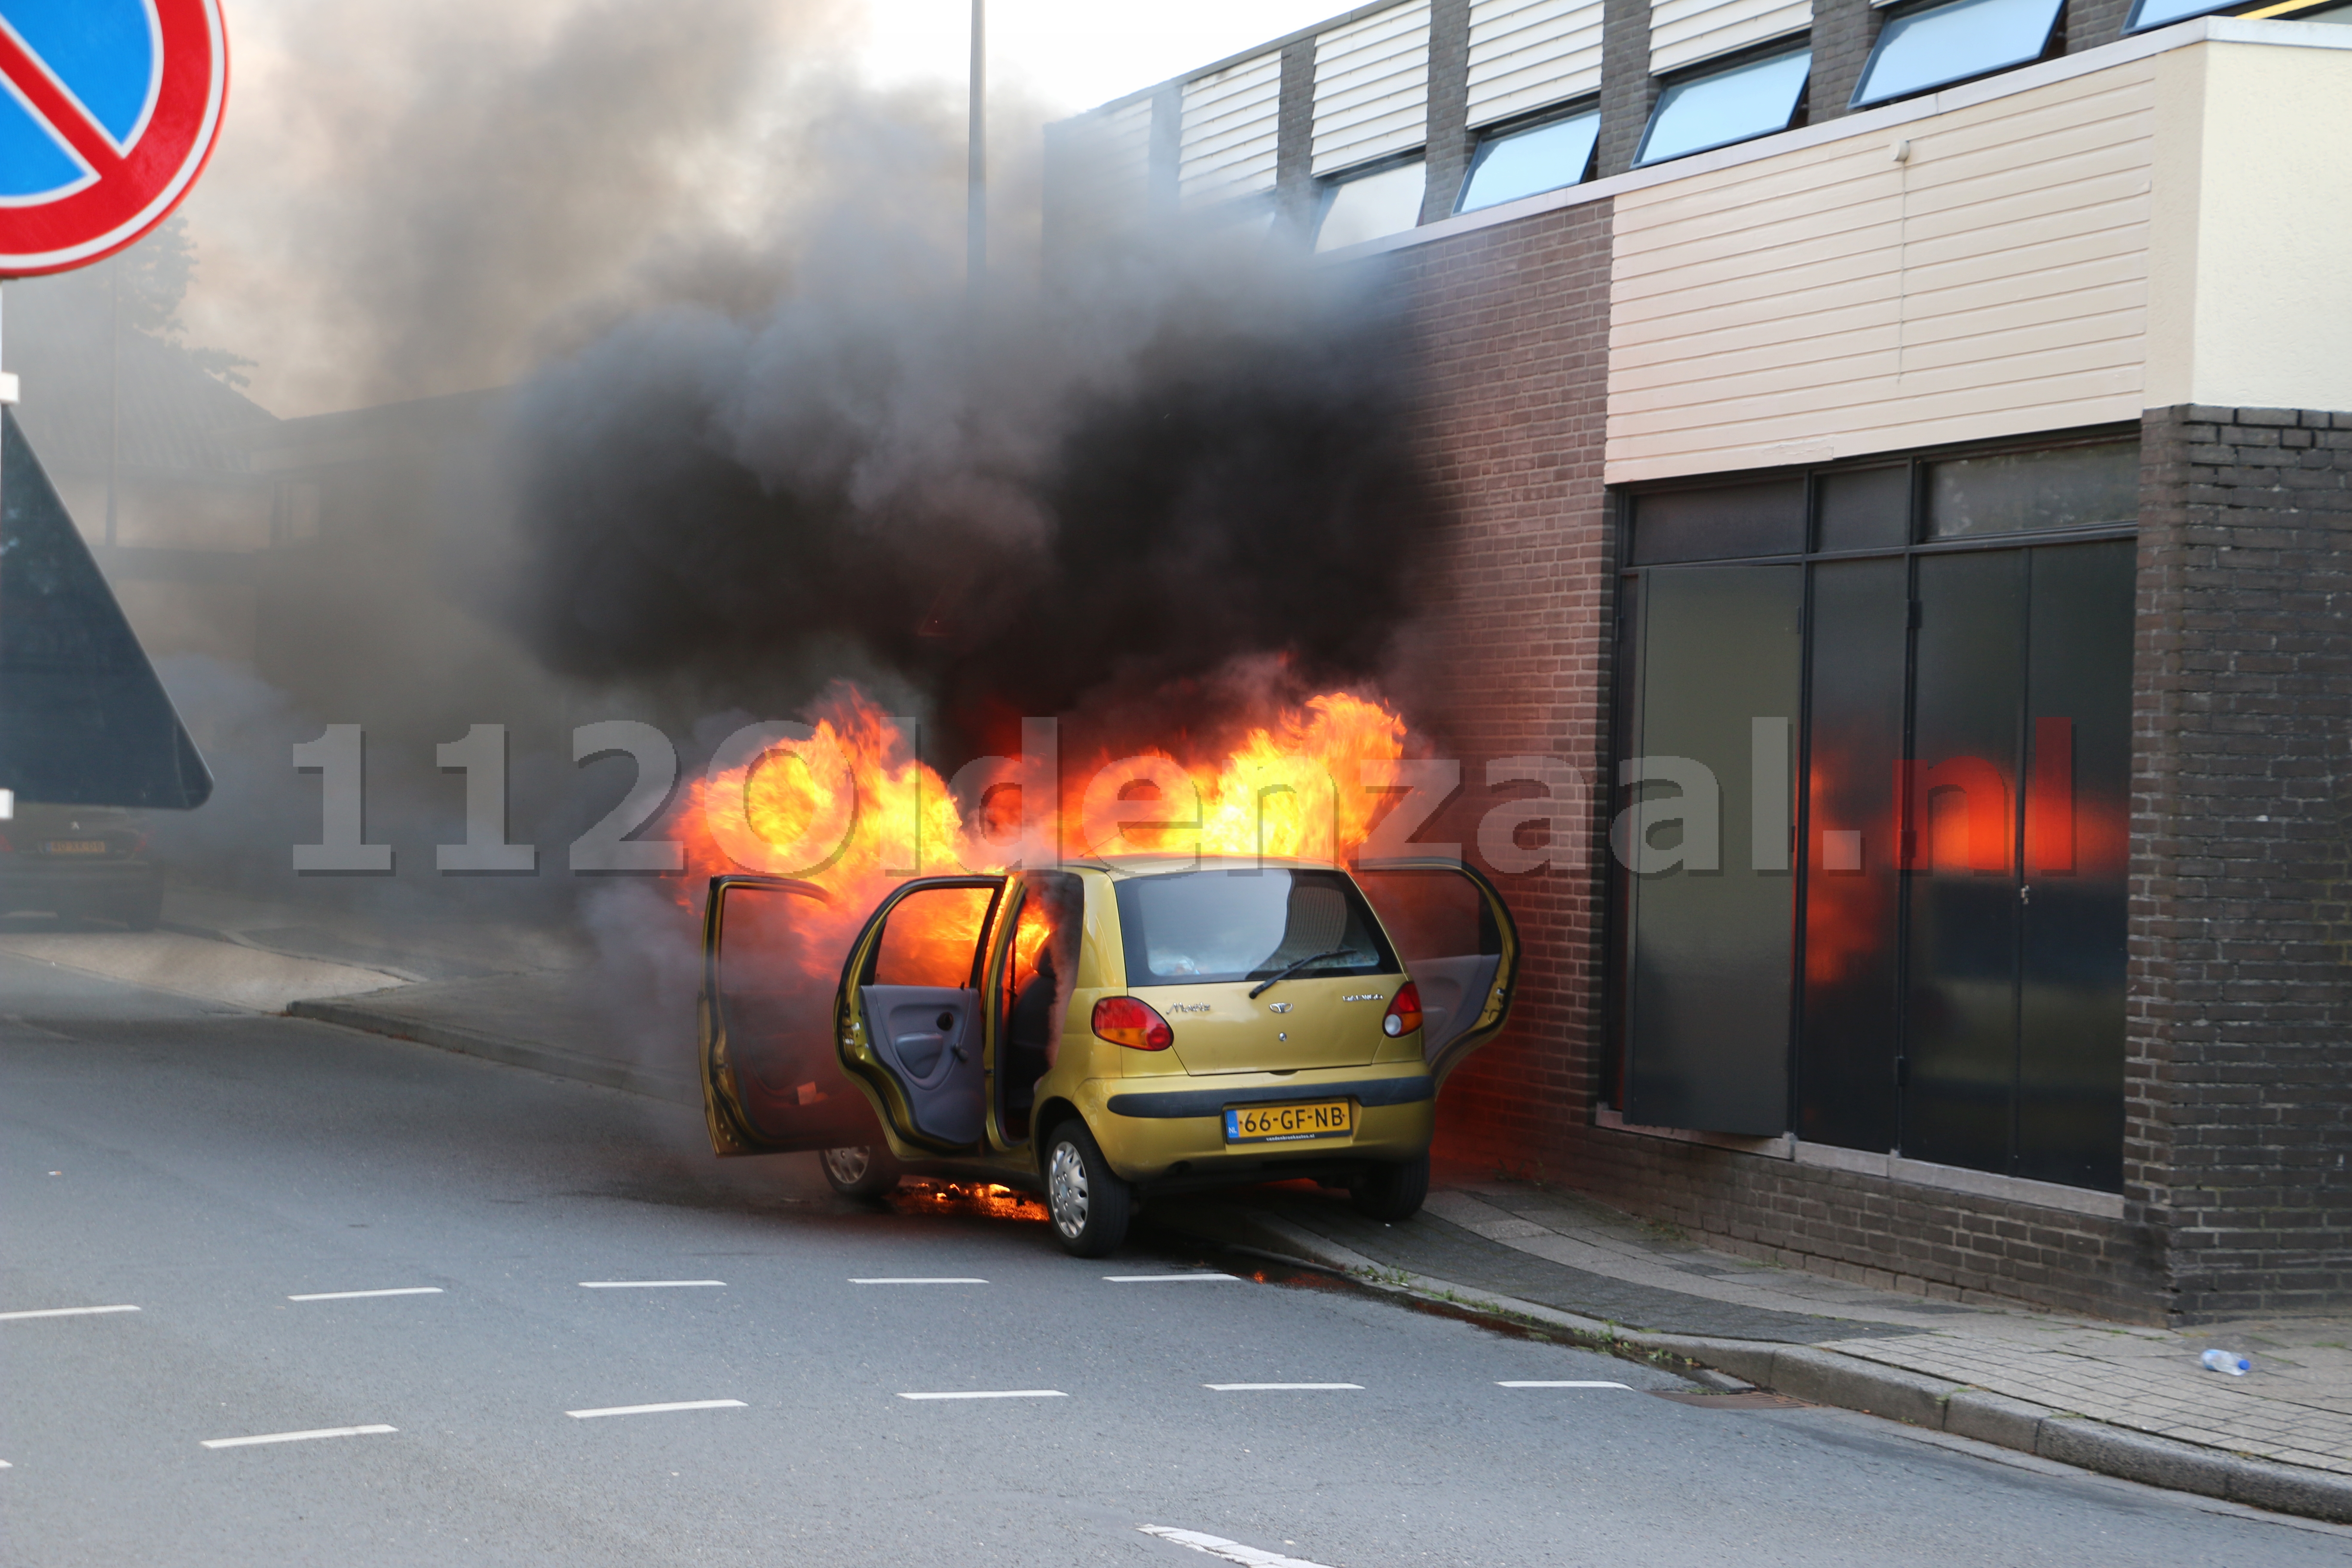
1372, 206
1950, 43
1721, 522
1864, 509
2157, 13
1753, 100
1198, 927
1528, 162
2011, 492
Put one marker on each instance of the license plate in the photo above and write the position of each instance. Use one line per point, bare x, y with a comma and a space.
1289, 1123
76, 846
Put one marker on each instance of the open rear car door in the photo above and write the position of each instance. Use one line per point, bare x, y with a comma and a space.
908, 1014
1457, 941
771, 1080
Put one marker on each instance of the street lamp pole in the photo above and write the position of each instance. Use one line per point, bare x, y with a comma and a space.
976, 143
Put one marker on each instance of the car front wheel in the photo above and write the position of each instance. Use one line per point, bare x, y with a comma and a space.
1090, 1205
1392, 1193
860, 1172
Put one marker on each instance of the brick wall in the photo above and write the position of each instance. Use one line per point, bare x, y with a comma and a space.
2240, 1101
1844, 31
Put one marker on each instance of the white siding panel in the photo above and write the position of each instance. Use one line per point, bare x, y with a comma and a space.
1831, 302
1684, 32
1372, 87
1226, 140
1106, 166
1526, 54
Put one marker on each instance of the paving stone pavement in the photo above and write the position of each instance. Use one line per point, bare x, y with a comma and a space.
2295, 1407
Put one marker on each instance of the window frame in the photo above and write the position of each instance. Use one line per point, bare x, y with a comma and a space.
1492, 136
2050, 34
1786, 46
1328, 188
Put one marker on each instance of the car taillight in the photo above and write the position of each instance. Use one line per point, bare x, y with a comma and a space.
1124, 1021
1404, 1012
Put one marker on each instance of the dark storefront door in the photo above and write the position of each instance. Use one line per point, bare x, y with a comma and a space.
2014, 833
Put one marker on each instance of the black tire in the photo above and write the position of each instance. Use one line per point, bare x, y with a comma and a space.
860, 1172
1089, 1205
1392, 1193
143, 910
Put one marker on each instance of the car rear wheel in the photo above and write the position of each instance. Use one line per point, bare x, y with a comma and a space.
861, 1172
1392, 1193
1090, 1205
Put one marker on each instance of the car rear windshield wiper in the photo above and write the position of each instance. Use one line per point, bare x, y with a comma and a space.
1286, 974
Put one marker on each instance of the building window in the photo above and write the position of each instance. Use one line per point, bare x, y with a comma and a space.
1726, 106
1371, 207
1943, 44
1874, 730
1528, 161
2146, 14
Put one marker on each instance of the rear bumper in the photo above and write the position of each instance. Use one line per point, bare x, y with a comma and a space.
92, 885
1177, 1136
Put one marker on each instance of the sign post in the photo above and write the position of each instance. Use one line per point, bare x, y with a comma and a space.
109, 109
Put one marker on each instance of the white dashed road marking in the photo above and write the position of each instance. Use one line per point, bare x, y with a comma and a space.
1258, 1387
356, 1295
995, 1393
658, 1409
647, 1284
63, 1312
296, 1436
1627, 1387
1230, 1551
1163, 1279
944, 1280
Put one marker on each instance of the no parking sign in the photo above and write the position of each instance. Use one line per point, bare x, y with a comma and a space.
108, 111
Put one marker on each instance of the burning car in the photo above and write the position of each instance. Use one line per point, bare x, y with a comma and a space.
1109, 1029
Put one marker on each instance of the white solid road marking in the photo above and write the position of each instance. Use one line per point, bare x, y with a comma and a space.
296, 1436
658, 1409
1627, 1387
1254, 1387
1159, 1279
356, 1295
63, 1312
995, 1393
645, 1284
1230, 1551
944, 1280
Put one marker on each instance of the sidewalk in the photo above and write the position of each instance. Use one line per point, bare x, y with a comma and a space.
2122, 1400
2126, 1401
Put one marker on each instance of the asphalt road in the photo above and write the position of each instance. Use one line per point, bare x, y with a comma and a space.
208, 1166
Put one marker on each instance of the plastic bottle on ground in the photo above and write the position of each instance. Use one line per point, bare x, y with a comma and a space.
2230, 1362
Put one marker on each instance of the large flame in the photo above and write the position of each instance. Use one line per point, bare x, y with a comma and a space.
1293, 788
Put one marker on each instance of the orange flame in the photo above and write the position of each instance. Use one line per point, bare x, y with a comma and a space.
1292, 788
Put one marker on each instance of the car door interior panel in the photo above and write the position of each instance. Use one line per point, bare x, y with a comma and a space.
929, 1037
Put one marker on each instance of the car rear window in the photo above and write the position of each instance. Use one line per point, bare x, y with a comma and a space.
1196, 928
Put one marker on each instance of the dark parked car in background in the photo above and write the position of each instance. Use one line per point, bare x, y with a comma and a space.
79, 863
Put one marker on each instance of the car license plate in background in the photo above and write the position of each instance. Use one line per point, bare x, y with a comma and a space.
76, 846
1289, 1123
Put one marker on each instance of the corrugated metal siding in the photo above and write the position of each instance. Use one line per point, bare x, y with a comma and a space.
1830, 301
1106, 163
1682, 32
1226, 144
1525, 54
1372, 87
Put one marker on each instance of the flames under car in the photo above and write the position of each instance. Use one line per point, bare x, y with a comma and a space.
1108, 1029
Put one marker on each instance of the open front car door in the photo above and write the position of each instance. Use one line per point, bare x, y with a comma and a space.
772, 1080
1457, 941
908, 1015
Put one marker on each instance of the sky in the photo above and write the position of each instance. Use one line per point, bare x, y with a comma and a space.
1075, 54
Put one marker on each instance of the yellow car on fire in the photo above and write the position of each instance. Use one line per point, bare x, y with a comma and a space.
1110, 1028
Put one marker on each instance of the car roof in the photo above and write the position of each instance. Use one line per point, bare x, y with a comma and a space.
1121, 867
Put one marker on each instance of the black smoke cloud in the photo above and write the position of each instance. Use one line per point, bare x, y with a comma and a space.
1126, 486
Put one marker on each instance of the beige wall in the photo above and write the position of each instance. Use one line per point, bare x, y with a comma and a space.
2253, 230
1833, 301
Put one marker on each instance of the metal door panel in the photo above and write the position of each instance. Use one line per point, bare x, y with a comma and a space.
918, 961
1455, 935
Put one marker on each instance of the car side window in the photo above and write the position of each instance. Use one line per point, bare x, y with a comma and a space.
931, 938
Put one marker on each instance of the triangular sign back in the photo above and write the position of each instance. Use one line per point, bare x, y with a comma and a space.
83, 720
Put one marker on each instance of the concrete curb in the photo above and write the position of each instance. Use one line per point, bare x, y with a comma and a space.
1850, 1383
355, 1014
